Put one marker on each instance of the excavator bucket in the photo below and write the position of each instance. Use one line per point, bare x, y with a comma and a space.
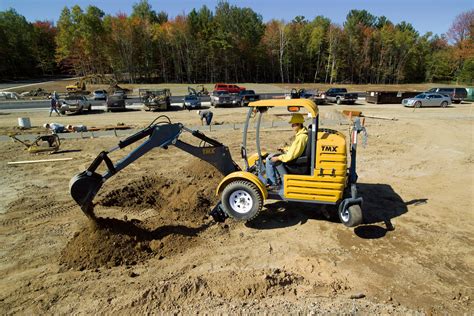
84, 187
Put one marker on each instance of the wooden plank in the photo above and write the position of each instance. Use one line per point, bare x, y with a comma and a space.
37, 161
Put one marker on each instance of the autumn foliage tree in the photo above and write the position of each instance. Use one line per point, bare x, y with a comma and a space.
232, 43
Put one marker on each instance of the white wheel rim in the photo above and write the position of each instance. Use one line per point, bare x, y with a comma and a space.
240, 201
345, 215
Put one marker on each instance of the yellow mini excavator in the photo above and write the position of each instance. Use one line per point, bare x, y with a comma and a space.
322, 175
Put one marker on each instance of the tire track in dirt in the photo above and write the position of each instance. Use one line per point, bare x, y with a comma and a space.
45, 212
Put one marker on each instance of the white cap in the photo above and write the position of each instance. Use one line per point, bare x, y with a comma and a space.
45, 125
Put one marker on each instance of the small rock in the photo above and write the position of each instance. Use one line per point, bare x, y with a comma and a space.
357, 296
133, 274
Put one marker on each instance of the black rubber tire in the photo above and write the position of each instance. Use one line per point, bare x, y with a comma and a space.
62, 112
456, 101
354, 218
444, 104
338, 101
417, 104
89, 108
255, 195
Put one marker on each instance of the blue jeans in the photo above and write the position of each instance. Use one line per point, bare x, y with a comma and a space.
274, 168
55, 110
208, 118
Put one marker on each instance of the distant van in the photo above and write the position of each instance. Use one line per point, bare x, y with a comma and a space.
457, 95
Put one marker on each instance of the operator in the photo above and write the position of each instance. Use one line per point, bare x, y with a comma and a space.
205, 115
275, 163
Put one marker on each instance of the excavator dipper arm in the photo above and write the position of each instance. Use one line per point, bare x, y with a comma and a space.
85, 185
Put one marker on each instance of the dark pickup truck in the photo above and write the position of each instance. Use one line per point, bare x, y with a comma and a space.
245, 97
340, 95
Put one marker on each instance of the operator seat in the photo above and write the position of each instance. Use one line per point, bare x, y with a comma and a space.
302, 164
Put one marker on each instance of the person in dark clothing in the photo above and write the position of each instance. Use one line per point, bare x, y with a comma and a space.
54, 106
205, 115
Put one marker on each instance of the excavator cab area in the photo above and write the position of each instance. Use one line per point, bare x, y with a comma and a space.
325, 173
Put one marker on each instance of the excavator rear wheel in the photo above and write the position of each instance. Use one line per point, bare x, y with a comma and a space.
242, 200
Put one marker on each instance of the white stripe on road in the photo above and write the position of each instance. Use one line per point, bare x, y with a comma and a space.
37, 83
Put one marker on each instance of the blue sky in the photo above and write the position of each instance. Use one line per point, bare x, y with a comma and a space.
425, 15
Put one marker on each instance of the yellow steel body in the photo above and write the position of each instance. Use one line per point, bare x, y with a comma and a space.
329, 179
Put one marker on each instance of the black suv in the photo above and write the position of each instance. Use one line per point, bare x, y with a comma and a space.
457, 95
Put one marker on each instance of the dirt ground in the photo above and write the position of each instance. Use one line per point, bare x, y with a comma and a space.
155, 249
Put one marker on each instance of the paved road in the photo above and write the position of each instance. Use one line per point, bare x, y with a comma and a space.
26, 83
23, 105
44, 104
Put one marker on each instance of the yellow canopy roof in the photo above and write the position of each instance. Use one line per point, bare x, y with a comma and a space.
305, 103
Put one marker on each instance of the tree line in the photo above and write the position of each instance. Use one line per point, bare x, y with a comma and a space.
233, 44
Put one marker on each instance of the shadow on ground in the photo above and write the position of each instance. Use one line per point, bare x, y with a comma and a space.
381, 204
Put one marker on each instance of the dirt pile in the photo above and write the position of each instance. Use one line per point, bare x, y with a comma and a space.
107, 242
140, 193
191, 193
112, 242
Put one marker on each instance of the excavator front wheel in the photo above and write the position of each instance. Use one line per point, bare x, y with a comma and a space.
241, 200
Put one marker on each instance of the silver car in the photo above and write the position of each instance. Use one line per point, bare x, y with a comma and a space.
191, 101
74, 104
427, 99
99, 95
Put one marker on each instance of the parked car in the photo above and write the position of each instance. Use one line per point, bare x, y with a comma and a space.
191, 101
74, 104
457, 95
230, 88
427, 99
115, 102
340, 95
220, 98
99, 95
120, 93
245, 97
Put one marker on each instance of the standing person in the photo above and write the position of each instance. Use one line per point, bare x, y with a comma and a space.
275, 163
53, 106
205, 115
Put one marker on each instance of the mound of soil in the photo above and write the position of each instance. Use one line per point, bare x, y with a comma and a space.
140, 193
112, 242
106, 242
192, 192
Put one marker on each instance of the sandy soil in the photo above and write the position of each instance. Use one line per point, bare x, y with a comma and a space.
155, 249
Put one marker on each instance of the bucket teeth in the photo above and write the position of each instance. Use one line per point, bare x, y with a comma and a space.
83, 188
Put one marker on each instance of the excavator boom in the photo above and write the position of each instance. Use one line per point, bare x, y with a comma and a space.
85, 185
